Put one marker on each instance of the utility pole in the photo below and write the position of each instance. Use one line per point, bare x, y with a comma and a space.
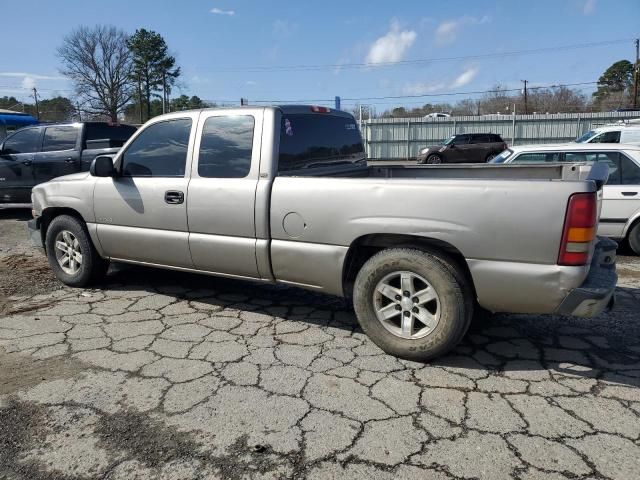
35, 97
79, 111
164, 93
140, 96
636, 74
526, 107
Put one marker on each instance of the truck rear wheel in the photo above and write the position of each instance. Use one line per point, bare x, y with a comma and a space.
72, 256
412, 304
634, 238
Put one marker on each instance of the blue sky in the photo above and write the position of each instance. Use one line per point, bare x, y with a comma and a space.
223, 46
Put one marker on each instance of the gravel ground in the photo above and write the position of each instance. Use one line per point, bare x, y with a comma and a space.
164, 375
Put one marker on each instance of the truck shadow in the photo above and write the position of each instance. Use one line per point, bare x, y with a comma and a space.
536, 347
20, 214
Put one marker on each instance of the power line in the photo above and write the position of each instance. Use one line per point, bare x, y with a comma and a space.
312, 67
425, 95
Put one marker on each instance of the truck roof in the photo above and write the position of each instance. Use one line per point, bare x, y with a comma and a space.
575, 147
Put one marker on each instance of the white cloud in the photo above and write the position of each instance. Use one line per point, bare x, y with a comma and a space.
28, 82
589, 7
32, 75
447, 32
465, 77
219, 11
423, 88
391, 47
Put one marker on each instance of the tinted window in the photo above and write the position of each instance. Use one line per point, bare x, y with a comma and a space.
537, 157
461, 139
607, 137
496, 139
159, 151
24, 141
481, 139
225, 148
101, 131
630, 171
314, 140
59, 138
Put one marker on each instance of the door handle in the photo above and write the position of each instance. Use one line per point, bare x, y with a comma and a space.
174, 197
27, 162
629, 194
68, 160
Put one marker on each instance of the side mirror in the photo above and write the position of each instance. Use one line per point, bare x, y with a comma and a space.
102, 167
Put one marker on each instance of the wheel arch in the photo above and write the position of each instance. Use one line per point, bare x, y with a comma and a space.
49, 213
366, 246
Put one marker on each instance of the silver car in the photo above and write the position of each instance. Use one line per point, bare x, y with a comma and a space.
620, 216
283, 194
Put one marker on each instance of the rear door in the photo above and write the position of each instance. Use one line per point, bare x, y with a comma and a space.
60, 152
621, 194
142, 213
222, 192
16, 165
459, 149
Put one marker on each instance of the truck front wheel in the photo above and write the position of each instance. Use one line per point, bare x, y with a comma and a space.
72, 256
411, 303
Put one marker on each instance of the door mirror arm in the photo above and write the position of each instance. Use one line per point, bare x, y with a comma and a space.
102, 167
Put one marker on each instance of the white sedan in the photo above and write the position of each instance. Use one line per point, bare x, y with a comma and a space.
620, 217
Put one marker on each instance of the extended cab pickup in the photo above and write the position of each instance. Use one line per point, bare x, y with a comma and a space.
35, 154
284, 194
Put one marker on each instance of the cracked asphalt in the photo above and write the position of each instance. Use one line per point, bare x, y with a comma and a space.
164, 375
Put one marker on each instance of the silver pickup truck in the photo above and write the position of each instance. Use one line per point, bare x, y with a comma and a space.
284, 194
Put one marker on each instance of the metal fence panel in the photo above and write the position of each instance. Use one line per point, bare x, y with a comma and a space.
402, 138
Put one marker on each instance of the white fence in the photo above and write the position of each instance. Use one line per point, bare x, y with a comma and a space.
402, 138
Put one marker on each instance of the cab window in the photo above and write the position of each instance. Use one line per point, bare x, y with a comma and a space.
537, 157
607, 137
159, 151
630, 174
59, 138
23, 141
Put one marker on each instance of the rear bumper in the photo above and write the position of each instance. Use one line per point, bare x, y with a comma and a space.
597, 292
33, 231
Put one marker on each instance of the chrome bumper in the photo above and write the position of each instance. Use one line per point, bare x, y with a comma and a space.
597, 292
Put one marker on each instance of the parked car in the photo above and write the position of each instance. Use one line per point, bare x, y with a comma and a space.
283, 194
436, 115
35, 154
620, 133
620, 217
464, 148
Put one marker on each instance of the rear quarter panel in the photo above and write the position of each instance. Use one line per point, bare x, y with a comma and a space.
504, 221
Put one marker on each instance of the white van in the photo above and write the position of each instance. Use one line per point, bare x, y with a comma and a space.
622, 133
620, 216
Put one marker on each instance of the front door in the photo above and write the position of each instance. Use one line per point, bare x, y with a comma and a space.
222, 193
142, 213
59, 154
16, 165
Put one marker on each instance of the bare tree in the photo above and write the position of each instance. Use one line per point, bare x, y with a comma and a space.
98, 62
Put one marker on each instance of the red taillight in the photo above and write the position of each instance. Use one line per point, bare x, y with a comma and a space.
579, 229
316, 109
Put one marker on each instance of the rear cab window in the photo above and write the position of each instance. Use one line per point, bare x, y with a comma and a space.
104, 135
60, 138
318, 140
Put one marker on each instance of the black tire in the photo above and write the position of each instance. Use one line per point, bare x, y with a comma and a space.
434, 159
634, 238
91, 268
455, 302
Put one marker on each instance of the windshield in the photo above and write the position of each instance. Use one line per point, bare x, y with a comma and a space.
502, 157
313, 140
586, 137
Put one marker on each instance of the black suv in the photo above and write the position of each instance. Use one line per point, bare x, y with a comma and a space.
36, 154
464, 148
